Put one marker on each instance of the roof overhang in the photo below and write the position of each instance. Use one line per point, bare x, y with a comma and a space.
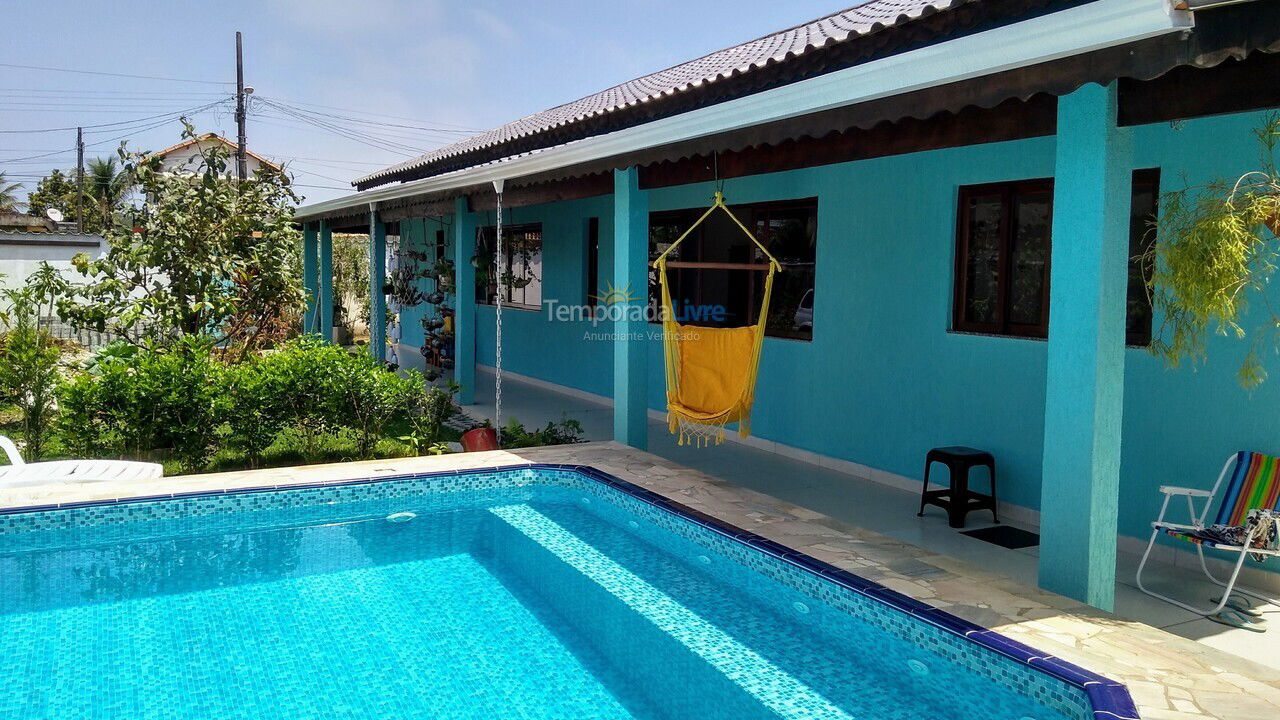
1073, 31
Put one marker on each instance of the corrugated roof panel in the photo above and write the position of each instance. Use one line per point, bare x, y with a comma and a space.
837, 27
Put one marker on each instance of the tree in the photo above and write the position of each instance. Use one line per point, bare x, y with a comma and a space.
54, 190
8, 194
206, 259
107, 185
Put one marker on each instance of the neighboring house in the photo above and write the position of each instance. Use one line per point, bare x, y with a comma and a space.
186, 155
917, 163
21, 222
22, 252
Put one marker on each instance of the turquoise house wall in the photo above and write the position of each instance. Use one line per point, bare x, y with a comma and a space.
558, 352
884, 379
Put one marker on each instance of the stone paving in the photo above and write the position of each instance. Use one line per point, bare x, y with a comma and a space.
1170, 678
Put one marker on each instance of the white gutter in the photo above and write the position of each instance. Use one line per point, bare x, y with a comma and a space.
1078, 30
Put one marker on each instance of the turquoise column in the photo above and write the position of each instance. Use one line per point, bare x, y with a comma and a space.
1084, 394
309, 285
377, 278
325, 283
464, 318
630, 274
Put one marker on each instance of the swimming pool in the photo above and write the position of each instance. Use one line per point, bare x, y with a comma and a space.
533, 592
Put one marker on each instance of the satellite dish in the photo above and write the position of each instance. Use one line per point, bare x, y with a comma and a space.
54, 214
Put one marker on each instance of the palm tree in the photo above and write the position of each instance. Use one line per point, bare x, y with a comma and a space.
8, 194
108, 186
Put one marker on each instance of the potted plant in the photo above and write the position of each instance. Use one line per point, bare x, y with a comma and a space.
1218, 243
480, 438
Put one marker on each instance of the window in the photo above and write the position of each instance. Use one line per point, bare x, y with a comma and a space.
1003, 251
1002, 283
788, 229
1142, 237
519, 275
593, 261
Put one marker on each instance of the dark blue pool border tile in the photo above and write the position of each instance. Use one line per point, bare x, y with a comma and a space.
1108, 699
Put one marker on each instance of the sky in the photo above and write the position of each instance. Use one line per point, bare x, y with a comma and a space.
389, 79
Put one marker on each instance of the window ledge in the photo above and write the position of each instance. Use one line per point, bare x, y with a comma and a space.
512, 306
1002, 336
950, 331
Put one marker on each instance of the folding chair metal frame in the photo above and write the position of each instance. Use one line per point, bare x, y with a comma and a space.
1198, 524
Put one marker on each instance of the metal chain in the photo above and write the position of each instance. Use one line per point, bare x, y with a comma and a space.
497, 377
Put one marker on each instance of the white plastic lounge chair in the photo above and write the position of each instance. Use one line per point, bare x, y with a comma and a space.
19, 473
1250, 485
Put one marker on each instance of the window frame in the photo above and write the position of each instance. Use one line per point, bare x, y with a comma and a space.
749, 213
1008, 192
511, 229
1148, 177
592, 262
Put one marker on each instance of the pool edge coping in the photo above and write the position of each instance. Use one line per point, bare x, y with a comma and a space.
1108, 699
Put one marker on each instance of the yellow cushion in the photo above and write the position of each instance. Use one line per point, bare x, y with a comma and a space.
714, 369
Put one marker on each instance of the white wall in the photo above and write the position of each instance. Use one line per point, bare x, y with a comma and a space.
21, 253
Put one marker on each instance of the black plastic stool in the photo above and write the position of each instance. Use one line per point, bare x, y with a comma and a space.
958, 501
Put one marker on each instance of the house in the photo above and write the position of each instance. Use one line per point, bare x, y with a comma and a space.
21, 222
186, 155
953, 186
23, 252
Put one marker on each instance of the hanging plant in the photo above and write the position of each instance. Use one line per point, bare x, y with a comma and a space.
444, 274
1217, 248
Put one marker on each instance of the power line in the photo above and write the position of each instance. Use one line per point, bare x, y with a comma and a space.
323, 187
168, 115
327, 160
361, 137
109, 74
131, 133
304, 171
379, 123
408, 144
461, 128
85, 91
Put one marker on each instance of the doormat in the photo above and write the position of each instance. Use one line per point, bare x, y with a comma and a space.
1005, 536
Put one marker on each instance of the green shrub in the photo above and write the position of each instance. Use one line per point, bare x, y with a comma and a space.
29, 357
369, 396
259, 394
128, 404
307, 399
433, 405
565, 432
306, 371
28, 377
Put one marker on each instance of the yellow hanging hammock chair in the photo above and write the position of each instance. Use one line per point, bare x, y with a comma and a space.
711, 372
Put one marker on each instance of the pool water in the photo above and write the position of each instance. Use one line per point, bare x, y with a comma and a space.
534, 598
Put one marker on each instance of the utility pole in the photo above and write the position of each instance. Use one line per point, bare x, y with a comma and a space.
241, 166
80, 180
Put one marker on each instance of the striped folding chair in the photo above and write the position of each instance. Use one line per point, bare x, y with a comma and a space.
1248, 481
